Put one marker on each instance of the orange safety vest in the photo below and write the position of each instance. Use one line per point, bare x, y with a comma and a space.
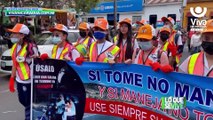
196, 65
85, 43
172, 41
139, 57
123, 51
102, 57
67, 50
23, 68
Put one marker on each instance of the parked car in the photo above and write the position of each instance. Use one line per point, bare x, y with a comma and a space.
44, 45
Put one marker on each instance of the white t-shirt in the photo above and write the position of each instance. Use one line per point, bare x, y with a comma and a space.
103, 46
184, 66
135, 43
195, 40
28, 60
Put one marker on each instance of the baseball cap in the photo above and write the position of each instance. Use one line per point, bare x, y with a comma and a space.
20, 28
165, 29
101, 23
126, 20
83, 26
141, 22
145, 32
59, 27
209, 26
170, 19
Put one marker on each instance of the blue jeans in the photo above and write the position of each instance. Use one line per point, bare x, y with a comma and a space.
24, 96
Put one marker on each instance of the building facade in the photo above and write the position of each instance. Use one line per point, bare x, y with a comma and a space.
150, 10
189, 18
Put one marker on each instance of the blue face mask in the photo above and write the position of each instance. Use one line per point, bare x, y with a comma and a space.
145, 45
56, 40
14, 40
99, 35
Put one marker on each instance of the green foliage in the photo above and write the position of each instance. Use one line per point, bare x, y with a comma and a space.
85, 5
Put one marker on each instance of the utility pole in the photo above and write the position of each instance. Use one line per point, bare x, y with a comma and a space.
115, 14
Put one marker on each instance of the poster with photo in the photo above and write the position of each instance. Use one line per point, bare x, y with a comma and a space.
58, 92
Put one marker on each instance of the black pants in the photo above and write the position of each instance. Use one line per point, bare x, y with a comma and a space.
24, 96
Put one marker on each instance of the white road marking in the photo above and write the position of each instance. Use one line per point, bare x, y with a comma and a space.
89, 115
4, 91
8, 112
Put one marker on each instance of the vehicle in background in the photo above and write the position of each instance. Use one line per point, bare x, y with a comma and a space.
44, 45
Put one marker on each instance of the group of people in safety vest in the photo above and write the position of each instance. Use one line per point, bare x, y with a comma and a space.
125, 47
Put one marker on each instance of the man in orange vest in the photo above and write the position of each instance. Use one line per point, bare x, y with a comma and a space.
148, 54
175, 43
102, 50
22, 51
201, 63
84, 42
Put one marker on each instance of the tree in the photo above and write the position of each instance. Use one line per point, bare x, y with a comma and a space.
85, 5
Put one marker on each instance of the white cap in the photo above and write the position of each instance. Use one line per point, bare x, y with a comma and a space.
20, 28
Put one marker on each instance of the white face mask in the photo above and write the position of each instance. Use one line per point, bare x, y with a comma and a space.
145, 45
14, 40
56, 40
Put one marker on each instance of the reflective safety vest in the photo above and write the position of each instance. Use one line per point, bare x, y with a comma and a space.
153, 56
83, 47
21, 65
196, 65
115, 39
67, 50
123, 51
172, 41
110, 52
165, 46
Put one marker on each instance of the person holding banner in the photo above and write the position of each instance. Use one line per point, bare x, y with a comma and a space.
22, 52
62, 49
201, 63
148, 54
175, 45
84, 42
125, 42
102, 50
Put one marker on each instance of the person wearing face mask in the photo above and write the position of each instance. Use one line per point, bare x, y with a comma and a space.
62, 49
201, 63
102, 50
175, 47
84, 42
22, 52
148, 54
163, 39
126, 42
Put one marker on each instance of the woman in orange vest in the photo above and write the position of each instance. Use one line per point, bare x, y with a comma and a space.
84, 42
102, 50
148, 54
22, 52
163, 39
201, 63
175, 43
62, 49
125, 42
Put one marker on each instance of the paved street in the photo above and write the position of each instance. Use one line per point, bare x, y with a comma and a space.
11, 109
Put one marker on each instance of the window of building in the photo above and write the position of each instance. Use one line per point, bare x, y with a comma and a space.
136, 18
153, 20
172, 16
91, 20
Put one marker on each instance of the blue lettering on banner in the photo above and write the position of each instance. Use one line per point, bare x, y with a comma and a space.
195, 95
124, 78
94, 75
162, 84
